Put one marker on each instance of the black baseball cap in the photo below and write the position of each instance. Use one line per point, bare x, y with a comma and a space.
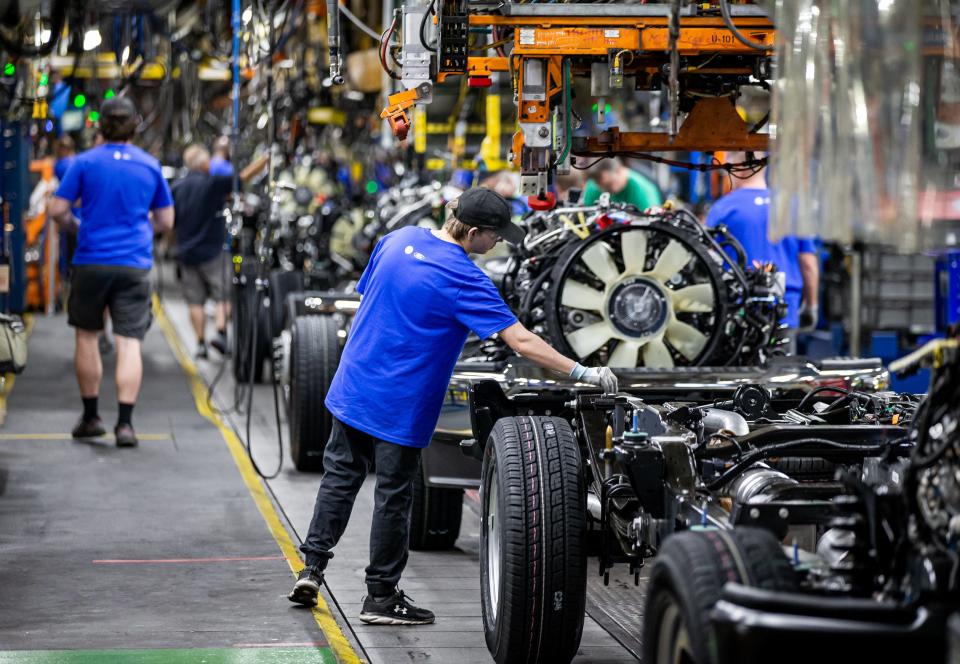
118, 107
485, 208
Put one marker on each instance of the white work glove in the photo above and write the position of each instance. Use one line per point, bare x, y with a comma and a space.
600, 376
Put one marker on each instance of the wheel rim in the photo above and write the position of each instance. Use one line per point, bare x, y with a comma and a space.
639, 295
673, 638
493, 545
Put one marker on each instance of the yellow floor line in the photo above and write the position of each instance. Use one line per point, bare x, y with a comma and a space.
341, 647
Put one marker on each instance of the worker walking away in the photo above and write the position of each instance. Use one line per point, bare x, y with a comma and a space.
623, 184
745, 212
201, 235
118, 186
422, 295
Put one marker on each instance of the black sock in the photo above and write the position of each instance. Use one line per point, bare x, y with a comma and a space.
89, 408
126, 412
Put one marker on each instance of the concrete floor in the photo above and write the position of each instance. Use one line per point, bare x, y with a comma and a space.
159, 554
108, 554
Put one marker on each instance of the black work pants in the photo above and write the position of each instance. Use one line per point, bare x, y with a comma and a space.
346, 462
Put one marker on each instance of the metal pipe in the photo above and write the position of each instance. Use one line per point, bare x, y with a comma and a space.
235, 132
386, 83
715, 419
333, 41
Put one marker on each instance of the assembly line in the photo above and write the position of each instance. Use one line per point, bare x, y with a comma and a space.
369, 331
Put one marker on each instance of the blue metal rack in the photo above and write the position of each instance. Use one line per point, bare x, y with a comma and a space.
14, 197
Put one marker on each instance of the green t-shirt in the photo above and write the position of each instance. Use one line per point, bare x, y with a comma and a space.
640, 191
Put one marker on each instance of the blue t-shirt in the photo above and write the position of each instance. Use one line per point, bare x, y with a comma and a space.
60, 169
220, 166
746, 213
421, 297
61, 166
118, 185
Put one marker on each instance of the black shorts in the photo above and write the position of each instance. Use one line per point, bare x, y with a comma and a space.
125, 290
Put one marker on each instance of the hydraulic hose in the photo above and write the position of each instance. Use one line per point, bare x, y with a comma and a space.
731, 26
773, 450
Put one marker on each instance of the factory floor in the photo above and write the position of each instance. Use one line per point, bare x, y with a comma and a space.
178, 551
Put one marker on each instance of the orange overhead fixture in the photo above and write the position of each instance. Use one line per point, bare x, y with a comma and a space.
689, 49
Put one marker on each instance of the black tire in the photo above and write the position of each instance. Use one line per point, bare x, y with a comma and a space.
532, 478
314, 355
247, 312
435, 516
687, 579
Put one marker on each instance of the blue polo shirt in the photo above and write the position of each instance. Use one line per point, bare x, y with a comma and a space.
746, 212
118, 185
421, 298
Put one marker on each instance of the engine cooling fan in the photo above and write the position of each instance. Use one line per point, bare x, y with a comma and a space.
638, 295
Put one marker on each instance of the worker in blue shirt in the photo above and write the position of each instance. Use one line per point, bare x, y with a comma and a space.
745, 212
119, 187
422, 295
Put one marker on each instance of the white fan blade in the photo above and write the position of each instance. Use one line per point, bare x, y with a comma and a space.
588, 339
672, 259
696, 299
687, 339
633, 244
600, 262
581, 296
656, 355
625, 355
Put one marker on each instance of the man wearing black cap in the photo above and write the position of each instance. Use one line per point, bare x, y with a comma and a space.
422, 296
119, 186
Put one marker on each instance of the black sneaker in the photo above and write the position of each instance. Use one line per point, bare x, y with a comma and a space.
89, 428
219, 343
201, 353
125, 435
394, 610
307, 587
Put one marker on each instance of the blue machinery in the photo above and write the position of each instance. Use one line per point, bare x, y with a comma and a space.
948, 291
14, 198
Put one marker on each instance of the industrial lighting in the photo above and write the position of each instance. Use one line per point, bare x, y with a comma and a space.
94, 116
91, 39
9, 69
79, 101
109, 94
247, 15
372, 187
